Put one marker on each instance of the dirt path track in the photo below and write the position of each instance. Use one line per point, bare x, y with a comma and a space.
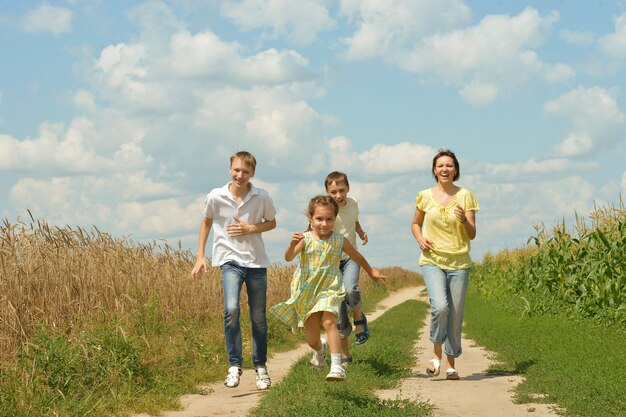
475, 394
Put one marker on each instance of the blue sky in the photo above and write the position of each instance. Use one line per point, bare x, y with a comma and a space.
123, 115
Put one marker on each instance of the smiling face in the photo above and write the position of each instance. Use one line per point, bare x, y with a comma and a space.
339, 192
241, 173
445, 170
322, 220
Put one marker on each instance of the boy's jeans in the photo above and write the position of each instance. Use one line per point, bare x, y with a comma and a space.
350, 277
446, 290
233, 277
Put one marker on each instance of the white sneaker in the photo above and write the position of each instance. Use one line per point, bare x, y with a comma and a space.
232, 379
336, 374
319, 359
263, 381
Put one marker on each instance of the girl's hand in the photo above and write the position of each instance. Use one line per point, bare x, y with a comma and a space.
460, 214
425, 244
376, 275
363, 237
296, 238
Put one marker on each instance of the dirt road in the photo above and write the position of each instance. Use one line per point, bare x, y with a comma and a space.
475, 394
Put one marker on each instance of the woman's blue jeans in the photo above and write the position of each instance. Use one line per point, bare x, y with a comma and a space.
233, 277
446, 290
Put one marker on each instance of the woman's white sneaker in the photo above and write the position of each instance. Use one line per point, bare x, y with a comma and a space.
232, 379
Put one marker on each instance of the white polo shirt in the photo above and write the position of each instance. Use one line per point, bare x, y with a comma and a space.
249, 250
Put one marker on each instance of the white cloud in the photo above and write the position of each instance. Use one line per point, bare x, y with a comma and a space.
112, 200
270, 117
126, 77
595, 118
576, 143
47, 18
205, 56
509, 210
479, 94
381, 159
67, 151
614, 44
623, 183
486, 60
57, 200
577, 38
195, 93
159, 217
386, 27
85, 101
298, 21
169, 79
534, 168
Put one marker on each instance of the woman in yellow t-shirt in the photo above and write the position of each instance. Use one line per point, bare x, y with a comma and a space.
443, 225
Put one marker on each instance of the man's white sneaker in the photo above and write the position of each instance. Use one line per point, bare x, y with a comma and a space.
232, 379
263, 381
319, 359
336, 374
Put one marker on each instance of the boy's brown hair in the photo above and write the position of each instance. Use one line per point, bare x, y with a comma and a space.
245, 157
336, 177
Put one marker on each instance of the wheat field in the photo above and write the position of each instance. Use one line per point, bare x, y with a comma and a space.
69, 278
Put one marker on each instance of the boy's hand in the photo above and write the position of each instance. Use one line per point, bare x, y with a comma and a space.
363, 237
238, 228
200, 266
376, 275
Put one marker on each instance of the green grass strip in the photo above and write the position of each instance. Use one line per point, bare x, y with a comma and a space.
380, 363
573, 363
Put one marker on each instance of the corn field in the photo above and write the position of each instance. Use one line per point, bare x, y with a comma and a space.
581, 272
66, 279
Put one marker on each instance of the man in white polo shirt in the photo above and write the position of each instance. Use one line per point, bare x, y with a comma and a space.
239, 212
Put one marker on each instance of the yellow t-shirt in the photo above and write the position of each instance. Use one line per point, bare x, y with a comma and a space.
345, 223
451, 243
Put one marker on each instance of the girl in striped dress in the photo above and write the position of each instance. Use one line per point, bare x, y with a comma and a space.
316, 288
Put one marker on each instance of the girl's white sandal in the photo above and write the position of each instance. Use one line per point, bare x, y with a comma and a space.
436, 364
452, 374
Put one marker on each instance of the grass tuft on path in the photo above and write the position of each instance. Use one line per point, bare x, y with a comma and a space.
380, 363
576, 364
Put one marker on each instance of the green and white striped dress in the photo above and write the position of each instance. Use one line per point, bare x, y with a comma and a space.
316, 284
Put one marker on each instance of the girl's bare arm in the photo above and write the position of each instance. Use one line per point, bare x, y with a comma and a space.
295, 246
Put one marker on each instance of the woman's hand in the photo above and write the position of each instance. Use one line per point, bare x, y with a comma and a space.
425, 244
460, 214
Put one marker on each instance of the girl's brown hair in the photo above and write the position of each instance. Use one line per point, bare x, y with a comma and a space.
323, 200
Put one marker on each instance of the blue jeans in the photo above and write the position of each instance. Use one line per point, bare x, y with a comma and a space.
350, 277
446, 290
233, 277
